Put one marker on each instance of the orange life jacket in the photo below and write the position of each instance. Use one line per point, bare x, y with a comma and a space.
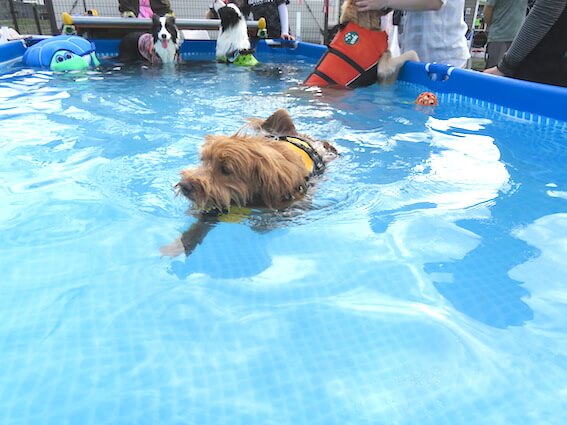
351, 60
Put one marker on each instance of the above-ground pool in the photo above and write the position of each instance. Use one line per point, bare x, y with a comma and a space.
423, 281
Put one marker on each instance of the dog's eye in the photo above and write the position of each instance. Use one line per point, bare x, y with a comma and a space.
225, 170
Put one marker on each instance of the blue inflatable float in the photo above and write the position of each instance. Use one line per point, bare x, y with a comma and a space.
62, 53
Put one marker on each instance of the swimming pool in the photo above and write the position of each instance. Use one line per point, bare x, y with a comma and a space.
424, 282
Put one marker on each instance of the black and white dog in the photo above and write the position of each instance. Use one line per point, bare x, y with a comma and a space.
233, 44
161, 45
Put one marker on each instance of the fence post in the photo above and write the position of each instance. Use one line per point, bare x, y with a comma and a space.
51, 13
36, 19
14, 17
326, 22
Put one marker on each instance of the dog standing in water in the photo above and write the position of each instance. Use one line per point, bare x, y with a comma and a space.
160, 46
233, 43
358, 55
270, 168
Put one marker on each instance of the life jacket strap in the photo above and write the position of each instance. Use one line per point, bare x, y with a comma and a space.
305, 146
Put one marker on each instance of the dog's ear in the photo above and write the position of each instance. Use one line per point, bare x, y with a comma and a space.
170, 20
279, 124
156, 24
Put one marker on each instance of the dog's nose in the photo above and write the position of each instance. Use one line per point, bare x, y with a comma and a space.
185, 187
164, 36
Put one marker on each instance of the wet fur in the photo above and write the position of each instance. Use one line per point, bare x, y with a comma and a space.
251, 167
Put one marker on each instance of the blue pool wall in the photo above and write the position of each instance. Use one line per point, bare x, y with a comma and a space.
505, 94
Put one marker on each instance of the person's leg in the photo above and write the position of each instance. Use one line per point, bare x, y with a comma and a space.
128, 8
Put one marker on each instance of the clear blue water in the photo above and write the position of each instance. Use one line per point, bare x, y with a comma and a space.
424, 282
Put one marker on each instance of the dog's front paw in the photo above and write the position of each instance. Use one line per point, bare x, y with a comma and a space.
411, 55
389, 67
173, 249
386, 69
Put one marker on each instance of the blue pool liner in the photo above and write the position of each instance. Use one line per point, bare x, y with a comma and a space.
539, 99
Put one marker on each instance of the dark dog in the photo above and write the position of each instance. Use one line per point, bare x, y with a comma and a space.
161, 45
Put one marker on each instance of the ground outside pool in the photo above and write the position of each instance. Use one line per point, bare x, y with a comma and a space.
422, 282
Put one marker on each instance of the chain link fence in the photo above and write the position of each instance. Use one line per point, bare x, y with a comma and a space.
307, 18
28, 16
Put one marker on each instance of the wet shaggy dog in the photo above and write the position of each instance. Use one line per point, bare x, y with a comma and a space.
160, 45
267, 164
269, 168
365, 46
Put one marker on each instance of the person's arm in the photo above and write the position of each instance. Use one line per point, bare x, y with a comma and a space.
537, 24
284, 22
366, 5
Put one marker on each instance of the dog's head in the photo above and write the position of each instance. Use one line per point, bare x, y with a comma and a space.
164, 31
167, 40
213, 12
228, 13
369, 20
243, 171
252, 169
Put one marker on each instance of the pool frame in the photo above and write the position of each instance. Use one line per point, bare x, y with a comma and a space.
519, 98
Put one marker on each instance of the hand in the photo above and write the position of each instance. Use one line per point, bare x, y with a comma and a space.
285, 36
367, 5
494, 71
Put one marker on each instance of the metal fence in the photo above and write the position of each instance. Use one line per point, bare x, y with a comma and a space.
307, 18
28, 16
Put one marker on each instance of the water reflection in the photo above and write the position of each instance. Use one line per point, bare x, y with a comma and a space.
446, 215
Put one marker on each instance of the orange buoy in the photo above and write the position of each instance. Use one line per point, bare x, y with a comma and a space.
427, 99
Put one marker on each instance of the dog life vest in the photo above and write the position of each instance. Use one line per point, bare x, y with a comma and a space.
351, 59
311, 159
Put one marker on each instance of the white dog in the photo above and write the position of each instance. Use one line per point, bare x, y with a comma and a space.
233, 44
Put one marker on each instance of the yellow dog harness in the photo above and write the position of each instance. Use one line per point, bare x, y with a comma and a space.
311, 159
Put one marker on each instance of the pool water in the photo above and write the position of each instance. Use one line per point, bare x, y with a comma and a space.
422, 282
